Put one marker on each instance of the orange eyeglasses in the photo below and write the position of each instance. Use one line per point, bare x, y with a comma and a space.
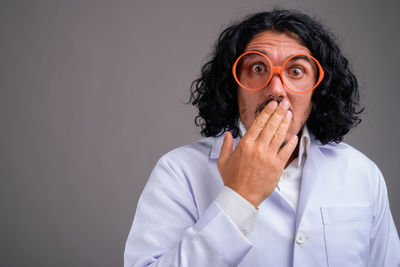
300, 73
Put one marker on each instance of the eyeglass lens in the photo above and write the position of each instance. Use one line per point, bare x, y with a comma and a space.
299, 74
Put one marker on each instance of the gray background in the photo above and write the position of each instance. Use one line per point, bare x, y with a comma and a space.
91, 96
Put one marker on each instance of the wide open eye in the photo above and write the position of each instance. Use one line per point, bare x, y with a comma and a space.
252, 70
258, 68
300, 73
296, 72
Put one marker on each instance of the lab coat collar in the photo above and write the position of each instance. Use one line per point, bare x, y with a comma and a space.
218, 141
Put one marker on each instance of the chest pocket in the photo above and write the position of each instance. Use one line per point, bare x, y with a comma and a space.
347, 234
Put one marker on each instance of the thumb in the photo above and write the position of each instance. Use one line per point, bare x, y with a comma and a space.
226, 148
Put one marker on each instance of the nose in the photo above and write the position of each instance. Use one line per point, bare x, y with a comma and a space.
275, 87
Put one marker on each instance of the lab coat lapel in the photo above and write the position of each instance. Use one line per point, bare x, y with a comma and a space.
313, 169
216, 148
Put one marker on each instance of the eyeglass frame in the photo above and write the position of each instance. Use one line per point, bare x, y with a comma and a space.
278, 70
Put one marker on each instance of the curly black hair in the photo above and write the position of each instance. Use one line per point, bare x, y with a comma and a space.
335, 102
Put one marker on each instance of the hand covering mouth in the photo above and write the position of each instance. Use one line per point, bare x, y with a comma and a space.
263, 104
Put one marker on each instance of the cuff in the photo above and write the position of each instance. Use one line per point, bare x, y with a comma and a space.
238, 209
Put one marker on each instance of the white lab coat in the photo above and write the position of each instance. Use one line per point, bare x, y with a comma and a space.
343, 217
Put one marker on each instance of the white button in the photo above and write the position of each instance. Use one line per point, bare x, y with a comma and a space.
300, 238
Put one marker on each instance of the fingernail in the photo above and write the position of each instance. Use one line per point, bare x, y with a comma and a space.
285, 104
273, 104
288, 115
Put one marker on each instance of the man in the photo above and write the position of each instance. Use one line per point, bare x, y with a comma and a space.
271, 185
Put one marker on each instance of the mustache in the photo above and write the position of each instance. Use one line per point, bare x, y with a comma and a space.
263, 104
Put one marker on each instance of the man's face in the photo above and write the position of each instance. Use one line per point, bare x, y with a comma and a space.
278, 47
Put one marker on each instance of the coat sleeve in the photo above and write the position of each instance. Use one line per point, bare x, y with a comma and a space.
168, 231
385, 244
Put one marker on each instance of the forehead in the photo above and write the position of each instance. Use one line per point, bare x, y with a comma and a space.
277, 44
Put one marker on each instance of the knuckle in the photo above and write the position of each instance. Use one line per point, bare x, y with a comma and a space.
282, 155
279, 135
259, 153
259, 122
244, 143
271, 126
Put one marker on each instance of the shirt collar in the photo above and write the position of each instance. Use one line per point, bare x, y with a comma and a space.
305, 141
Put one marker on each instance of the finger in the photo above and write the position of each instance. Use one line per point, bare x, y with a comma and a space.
271, 127
280, 134
288, 149
259, 123
226, 148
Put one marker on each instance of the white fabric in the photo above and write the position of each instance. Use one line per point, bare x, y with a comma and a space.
242, 213
290, 181
343, 216
238, 209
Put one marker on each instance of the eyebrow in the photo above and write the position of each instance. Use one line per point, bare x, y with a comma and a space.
266, 53
260, 51
303, 57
